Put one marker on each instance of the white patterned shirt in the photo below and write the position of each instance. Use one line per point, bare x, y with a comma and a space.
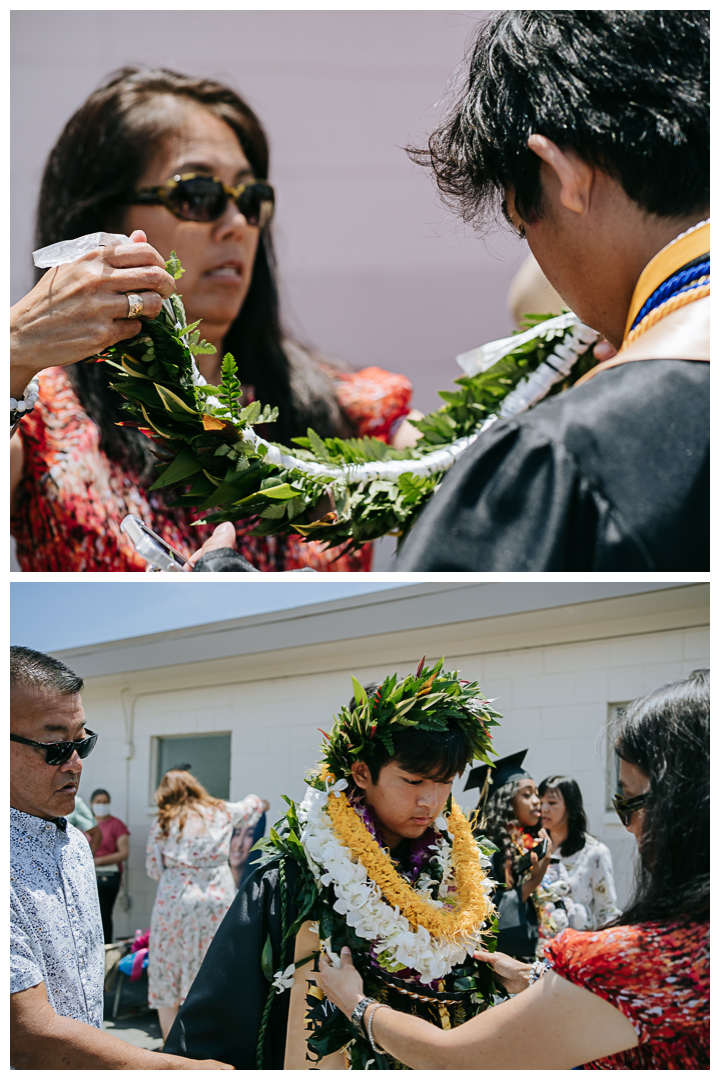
56, 935
579, 890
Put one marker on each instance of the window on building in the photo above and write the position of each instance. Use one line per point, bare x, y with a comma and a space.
613, 761
207, 757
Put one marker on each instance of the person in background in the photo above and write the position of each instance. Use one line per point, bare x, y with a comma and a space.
511, 812
243, 838
57, 960
109, 857
578, 889
187, 853
83, 818
635, 995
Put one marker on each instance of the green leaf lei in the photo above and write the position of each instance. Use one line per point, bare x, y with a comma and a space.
212, 460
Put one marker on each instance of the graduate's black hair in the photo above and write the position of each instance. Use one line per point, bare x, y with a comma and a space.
439, 755
667, 735
628, 90
577, 821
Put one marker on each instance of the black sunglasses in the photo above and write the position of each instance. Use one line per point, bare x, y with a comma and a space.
194, 197
57, 753
625, 808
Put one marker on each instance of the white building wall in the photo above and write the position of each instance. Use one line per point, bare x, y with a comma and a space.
554, 699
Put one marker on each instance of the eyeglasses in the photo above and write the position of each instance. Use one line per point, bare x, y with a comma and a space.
57, 753
625, 808
194, 197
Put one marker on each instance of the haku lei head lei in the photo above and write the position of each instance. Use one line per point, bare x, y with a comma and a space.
379, 902
426, 700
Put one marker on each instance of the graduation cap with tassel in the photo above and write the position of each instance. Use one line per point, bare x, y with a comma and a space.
500, 772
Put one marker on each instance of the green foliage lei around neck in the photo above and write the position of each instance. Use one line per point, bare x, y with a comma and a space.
426, 700
343, 492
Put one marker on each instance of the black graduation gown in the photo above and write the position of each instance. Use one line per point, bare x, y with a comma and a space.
610, 475
221, 1015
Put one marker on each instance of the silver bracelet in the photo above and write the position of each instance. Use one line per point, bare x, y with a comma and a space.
371, 1017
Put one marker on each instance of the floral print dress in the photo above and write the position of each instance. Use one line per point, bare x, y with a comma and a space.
658, 975
196, 889
577, 890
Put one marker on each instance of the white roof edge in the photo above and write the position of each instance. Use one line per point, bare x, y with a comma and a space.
402, 607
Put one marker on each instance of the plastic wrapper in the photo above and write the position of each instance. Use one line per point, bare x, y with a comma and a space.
67, 251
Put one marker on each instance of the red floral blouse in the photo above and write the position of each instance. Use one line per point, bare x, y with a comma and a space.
658, 975
72, 497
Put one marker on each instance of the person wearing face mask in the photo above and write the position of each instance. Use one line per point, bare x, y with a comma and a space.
510, 809
175, 163
83, 818
109, 857
634, 995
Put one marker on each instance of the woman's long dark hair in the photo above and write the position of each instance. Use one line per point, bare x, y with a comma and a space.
577, 821
101, 155
667, 735
499, 813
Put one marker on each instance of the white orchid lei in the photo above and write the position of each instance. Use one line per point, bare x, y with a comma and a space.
359, 899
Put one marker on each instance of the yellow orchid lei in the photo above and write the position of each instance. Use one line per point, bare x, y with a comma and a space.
472, 905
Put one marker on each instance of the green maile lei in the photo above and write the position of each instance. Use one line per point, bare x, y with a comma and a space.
421, 701
342, 492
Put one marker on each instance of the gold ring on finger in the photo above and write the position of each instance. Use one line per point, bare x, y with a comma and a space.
135, 305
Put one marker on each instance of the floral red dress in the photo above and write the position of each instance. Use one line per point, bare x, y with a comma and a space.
73, 497
658, 975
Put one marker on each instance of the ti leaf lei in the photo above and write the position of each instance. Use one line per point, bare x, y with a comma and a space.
340, 491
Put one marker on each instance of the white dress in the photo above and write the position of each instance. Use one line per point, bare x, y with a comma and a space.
577, 891
196, 889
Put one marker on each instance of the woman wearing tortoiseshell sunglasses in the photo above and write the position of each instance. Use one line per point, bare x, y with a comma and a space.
177, 163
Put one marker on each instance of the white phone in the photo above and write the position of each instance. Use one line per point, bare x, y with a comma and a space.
154, 550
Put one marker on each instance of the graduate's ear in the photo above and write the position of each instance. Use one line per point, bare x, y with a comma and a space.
575, 175
361, 774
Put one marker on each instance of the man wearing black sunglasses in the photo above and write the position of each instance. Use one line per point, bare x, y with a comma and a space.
57, 957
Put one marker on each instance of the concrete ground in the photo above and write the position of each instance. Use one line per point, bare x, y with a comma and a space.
141, 1030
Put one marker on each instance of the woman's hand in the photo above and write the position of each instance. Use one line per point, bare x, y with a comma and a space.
343, 986
222, 537
80, 308
537, 867
511, 973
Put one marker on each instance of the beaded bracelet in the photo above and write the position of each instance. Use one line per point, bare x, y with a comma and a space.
20, 407
371, 1017
537, 970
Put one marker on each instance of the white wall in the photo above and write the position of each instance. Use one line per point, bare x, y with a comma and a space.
554, 700
374, 271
